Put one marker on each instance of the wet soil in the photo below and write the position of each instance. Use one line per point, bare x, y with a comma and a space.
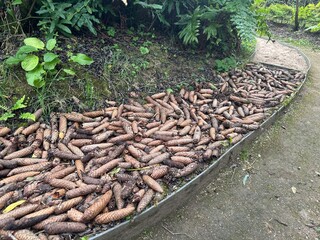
271, 191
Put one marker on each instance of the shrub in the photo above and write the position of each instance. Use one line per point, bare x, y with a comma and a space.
280, 13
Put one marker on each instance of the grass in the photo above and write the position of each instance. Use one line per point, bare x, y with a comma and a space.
298, 42
244, 155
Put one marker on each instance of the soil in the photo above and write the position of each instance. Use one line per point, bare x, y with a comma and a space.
284, 31
271, 191
119, 67
273, 53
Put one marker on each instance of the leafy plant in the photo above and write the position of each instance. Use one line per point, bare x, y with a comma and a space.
223, 24
309, 16
10, 112
111, 31
281, 13
144, 50
40, 63
64, 16
225, 64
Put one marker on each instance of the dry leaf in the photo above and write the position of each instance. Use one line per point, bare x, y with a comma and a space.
13, 206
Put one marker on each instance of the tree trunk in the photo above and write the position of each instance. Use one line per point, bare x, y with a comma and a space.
296, 17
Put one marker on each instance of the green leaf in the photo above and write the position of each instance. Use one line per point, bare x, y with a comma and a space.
51, 44
28, 116
69, 71
30, 62
6, 116
51, 65
144, 50
16, 2
12, 61
48, 57
82, 59
169, 90
34, 77
34, 42
19, 104
26, 50
64, 28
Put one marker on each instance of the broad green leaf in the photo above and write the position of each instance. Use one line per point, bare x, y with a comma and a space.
34, 42
82, 59
30, 62
19, 104
69, 71
12, 61
51, 65
48, 57
39, 83
51, 44
16, 2
13, 206
36, 82
6, 116
25, 50
28, 116
34, 77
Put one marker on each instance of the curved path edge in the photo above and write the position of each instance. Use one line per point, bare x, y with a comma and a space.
148, 218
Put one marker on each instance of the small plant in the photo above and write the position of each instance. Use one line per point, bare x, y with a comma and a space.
111, 31
225, 64
10, 112
144, 50
39, 61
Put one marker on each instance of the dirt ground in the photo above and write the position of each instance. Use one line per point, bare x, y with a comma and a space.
274, 53
271, 191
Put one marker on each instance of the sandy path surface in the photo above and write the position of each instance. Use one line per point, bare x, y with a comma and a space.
280, 197
276, 53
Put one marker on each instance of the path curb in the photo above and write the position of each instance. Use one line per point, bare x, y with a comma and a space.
131, 228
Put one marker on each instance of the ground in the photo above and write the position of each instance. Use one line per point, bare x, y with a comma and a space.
271, 191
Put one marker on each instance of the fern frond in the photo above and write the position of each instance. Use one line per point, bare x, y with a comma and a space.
5, 108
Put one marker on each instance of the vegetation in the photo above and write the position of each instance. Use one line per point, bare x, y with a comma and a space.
221, 28
308, 13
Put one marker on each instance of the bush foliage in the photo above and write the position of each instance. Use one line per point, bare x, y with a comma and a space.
220, 24
284, 11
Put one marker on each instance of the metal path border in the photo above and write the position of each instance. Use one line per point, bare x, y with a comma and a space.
131, 228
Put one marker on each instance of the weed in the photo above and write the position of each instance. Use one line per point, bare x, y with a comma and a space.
144, 50
225, 64
111, 31
10, 112
244, 155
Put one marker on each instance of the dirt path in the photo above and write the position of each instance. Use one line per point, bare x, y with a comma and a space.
280, 199
276, 53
